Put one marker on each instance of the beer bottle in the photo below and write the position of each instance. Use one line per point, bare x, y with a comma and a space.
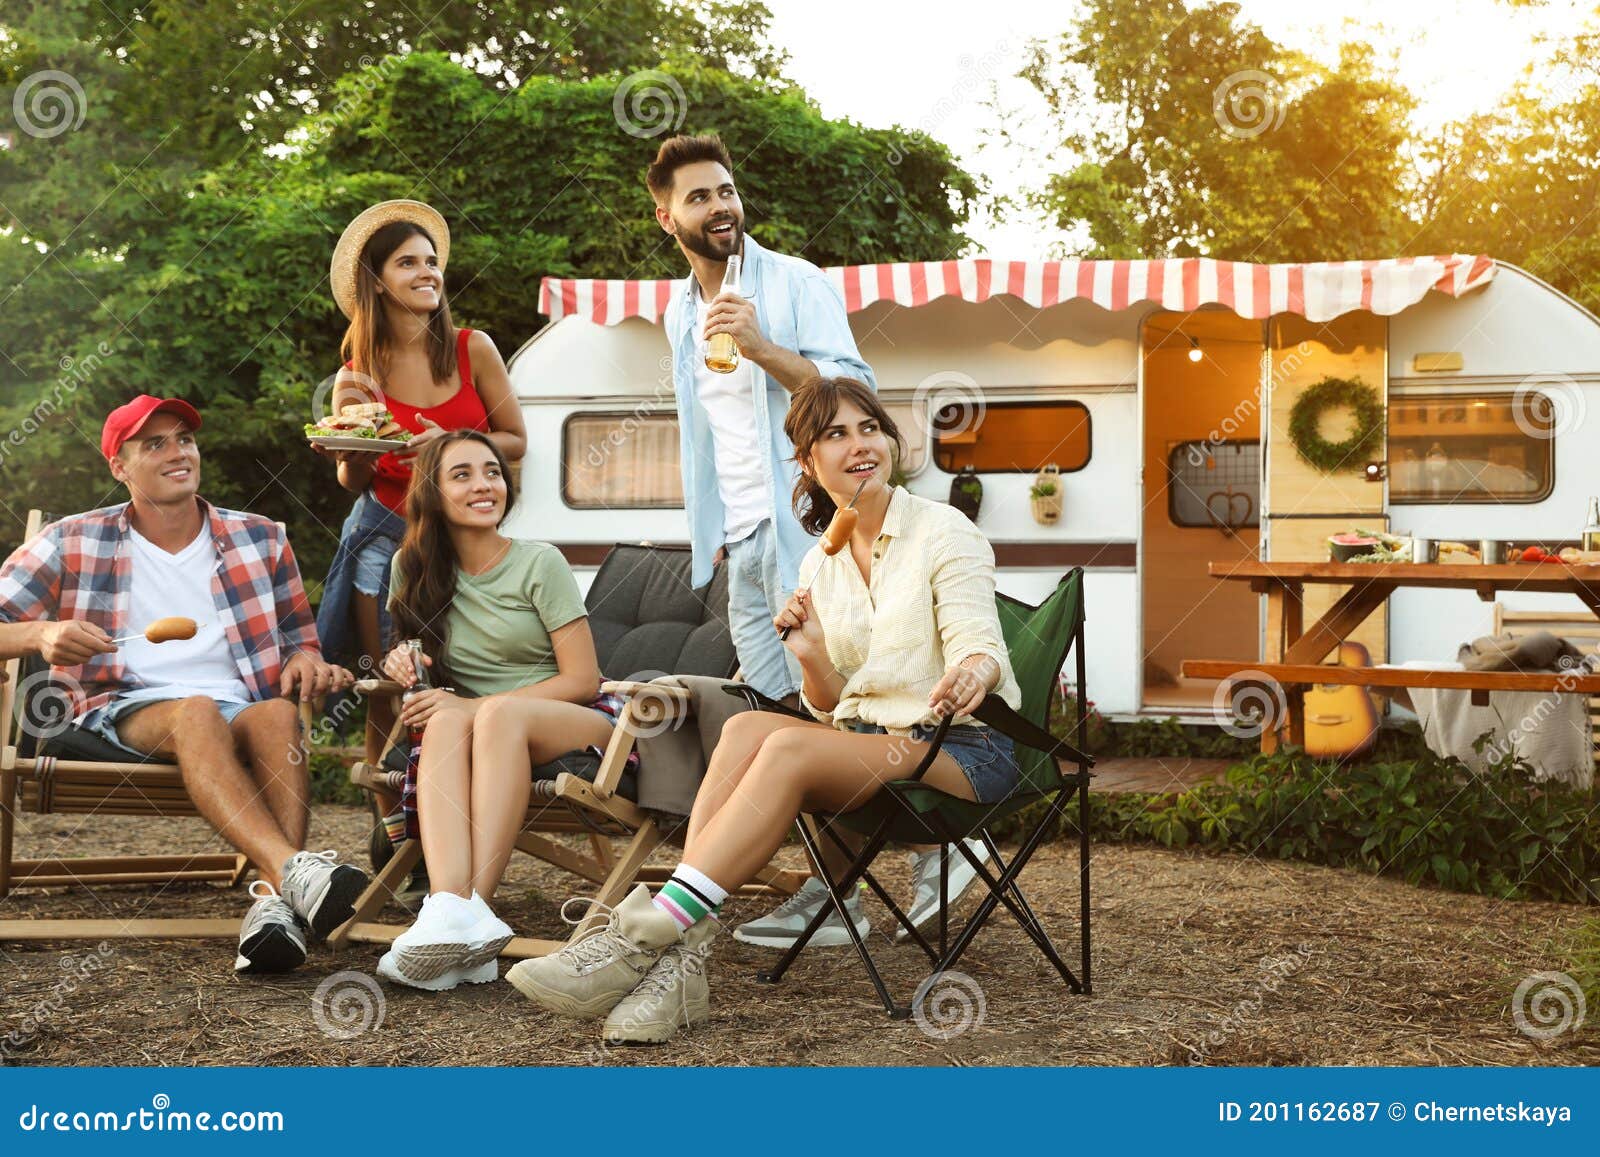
722, 352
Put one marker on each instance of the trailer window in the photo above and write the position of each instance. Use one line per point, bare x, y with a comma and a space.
1471, 448
1215, 484
1011, 437
620, 461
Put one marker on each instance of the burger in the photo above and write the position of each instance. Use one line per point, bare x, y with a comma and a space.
360, 420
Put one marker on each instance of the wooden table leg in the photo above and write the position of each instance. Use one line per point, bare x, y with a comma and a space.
1285, 615
1339, 622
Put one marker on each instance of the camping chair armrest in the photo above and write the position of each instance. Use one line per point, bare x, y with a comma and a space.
760, 702
1000, 715
376, 687
654, 702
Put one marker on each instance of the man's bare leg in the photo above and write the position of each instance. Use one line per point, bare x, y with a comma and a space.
192, 732
268, 736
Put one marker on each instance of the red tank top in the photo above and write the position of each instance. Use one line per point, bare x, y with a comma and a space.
463, 411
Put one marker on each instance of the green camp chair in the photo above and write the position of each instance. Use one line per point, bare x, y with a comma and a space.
908, 811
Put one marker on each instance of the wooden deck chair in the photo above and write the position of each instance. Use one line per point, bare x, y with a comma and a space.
650, 624
48, 767
908, 811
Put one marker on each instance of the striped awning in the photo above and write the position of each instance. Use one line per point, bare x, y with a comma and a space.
1319, 290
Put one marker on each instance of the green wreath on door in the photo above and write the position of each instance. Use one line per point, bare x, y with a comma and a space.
1305, 420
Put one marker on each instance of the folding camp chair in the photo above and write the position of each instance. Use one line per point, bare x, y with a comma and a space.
52, 768
908, 811
647, 621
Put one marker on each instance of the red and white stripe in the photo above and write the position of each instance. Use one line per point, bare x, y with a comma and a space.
1319, 290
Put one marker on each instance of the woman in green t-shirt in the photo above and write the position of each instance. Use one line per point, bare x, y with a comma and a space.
514, 676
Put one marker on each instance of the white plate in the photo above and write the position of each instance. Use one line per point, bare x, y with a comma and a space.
344, 442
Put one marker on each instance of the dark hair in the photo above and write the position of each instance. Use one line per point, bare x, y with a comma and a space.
369, 338
427, 558
676, 152
811, 411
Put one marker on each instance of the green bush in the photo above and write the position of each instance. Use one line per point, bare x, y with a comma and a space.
1427, 820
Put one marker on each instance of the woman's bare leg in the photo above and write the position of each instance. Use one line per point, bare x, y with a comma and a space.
742, 737
510, 737
801, 769
444, 801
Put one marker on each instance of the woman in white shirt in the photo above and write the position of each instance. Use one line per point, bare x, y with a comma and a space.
895, 631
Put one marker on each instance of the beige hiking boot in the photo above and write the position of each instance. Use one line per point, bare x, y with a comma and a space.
674, 995
587, 978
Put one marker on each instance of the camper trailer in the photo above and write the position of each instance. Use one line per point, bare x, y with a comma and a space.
1155, 396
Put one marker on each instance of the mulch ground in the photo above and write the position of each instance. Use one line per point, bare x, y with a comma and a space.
1197, 959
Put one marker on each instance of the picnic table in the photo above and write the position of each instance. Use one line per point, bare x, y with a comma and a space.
1293, 654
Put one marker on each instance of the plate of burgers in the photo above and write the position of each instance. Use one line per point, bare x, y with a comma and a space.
365, 426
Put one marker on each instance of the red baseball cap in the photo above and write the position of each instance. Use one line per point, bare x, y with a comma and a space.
126, 421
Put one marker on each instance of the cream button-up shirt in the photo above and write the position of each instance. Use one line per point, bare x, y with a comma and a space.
928, 606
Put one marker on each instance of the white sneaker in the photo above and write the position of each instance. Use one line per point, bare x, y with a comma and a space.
322, 892
489, 934
782, 926
486, 973
925, 874
270, 939
438, 941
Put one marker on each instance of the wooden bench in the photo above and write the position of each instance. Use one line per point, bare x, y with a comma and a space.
1301, 675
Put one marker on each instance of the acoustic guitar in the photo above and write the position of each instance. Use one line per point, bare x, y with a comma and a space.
1341, 721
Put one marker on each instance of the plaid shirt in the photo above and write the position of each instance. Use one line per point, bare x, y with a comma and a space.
80, 567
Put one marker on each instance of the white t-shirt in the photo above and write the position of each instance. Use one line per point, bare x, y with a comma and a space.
162, 585
730, 405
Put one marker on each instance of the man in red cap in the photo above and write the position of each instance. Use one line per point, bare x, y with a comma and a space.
220, 702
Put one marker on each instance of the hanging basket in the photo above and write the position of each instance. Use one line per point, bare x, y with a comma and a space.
1045, 496
966, 492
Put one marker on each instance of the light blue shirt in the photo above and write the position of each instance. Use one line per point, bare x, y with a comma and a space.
797, 308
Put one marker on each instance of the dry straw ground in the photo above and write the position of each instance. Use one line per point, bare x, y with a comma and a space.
1198, 959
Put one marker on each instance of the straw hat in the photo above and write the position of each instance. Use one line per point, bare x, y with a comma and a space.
347, 254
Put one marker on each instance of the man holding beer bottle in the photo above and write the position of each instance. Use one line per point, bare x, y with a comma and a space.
785, 324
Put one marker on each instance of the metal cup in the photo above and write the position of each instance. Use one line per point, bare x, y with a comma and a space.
1491, 551
1424, 550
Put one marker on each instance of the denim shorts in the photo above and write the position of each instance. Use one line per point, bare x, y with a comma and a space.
103, 720
372, 565
987, 757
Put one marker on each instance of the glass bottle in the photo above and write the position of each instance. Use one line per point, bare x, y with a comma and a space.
722, 352
1591, 531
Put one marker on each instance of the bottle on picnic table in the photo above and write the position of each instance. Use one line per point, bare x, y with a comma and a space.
722, 352
1591, 532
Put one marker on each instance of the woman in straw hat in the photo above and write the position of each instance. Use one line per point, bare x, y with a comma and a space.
401, 349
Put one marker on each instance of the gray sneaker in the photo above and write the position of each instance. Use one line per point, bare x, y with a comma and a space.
588, 977
782, 926
674, 995
925, 874
322, 892
270, 939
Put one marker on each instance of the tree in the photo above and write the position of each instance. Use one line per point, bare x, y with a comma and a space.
1190, 132
225, 300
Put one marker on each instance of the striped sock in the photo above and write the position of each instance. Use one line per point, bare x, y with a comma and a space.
689, 896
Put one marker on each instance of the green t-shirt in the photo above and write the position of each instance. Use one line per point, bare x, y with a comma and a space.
500, 623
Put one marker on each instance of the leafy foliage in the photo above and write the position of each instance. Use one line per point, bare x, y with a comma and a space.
221, 295
1427, 821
